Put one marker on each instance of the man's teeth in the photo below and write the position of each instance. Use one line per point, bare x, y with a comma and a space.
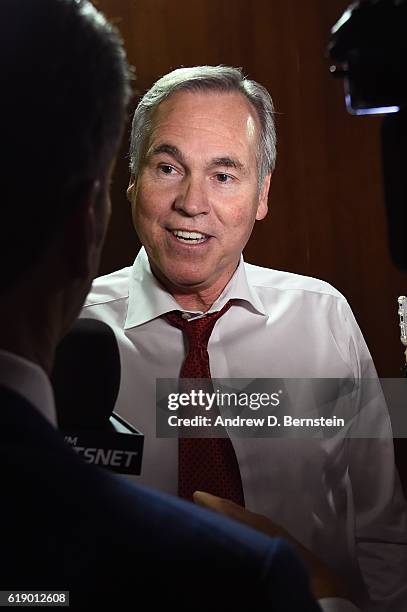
190, 237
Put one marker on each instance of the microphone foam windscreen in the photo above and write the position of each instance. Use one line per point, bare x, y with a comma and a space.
86, 375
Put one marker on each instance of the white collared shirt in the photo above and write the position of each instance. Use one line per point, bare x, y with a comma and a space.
340, 498
30, 381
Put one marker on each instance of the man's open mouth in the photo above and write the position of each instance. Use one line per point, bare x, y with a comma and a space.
189, 237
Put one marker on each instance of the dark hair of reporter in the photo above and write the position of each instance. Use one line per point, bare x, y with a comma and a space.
65, 86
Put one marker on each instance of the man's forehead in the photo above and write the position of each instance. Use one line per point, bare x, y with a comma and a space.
212, 101
207, 107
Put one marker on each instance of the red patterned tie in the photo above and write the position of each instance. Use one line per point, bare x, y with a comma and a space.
204, 464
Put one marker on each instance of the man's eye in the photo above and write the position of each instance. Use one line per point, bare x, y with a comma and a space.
166, 169
223, 178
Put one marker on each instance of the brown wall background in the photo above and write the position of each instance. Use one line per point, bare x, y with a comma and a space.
327, 216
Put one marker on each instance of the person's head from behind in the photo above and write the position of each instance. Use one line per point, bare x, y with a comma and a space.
202, 152
65, 87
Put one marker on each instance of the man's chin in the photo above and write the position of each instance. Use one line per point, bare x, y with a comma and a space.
183, 280
184, 284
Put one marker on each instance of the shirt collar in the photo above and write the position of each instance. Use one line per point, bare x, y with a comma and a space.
148, 299
30, 381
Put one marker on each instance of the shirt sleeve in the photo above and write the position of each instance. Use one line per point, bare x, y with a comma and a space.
380, 507
336, 604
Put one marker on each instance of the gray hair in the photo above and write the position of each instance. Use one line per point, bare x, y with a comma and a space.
207, 78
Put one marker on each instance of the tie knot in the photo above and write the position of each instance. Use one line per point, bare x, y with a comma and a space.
198, 330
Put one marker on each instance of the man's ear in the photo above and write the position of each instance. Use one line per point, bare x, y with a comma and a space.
262, 207
82, 228
131, 188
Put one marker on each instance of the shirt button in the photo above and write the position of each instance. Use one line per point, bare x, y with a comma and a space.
186, 315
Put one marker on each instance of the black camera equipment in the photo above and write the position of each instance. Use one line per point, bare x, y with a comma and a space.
368, 49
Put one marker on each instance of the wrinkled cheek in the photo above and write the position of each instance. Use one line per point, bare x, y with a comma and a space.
141, 225
243, 222
241, 231
149, 232
143, 215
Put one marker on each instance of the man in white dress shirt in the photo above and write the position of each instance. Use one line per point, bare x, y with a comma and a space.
202, 154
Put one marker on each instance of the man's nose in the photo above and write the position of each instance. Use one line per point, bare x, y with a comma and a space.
193, 199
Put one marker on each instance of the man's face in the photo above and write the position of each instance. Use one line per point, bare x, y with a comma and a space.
196, 197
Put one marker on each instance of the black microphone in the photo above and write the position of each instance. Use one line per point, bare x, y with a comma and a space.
86, 382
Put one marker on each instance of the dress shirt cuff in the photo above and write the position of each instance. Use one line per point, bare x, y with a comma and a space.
336, 604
